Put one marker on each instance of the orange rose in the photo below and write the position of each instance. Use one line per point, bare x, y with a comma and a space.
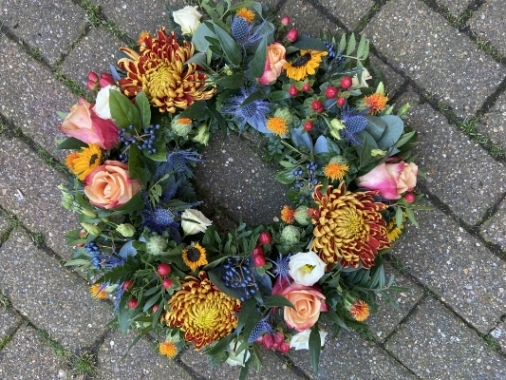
308, 302
109, 186
273, 64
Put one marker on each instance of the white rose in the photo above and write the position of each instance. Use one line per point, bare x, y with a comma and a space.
365, 77
101, 107
306, 268
237, 358
193, 222
300, 341
188, 18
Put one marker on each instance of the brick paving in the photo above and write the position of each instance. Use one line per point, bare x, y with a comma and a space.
447, 58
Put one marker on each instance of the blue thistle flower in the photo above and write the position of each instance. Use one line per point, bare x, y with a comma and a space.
354, 123
117, 297
281, 268
177, 161
252, 113
260, 329
160, 219
245, 33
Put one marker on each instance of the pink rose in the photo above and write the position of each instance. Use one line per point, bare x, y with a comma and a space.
84, 124
390, 179
308, 302
273, 64
109, 185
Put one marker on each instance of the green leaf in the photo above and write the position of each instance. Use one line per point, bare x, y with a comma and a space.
195, 111
150, 302
199, 58
342, 44
123, 112
285, 177
230, 48
142, 104
62, 115
257, 64
375, 126
231, 82
276, 96
315, 346
309, 43
411, 217
71, 143
363, 48
277, 301
395, 129
399, 217
352, 42
199, 37
77, 262
404, 139
124, 315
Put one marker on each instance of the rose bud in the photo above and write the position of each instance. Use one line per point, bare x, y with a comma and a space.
292, 35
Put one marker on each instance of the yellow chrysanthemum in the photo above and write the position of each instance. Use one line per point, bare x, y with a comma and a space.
335, 170
202, 311
247, 14
306, 64
349, 228
161, 72
287, 214
84, 162
375, 103
97, 292
359, 310
277, 125
194, 256
168, 349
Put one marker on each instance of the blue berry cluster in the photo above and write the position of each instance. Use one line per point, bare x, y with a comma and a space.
99, 260
303, 183
130, 136
238, 275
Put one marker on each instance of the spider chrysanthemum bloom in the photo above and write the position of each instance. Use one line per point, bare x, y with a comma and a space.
98, 291
348, 227
287, 214
375, 103
304, 65
161, 72
168, 349
202, 311
335, 170
84, 162
194, 256
359, 310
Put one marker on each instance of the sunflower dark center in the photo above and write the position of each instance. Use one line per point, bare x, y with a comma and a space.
93, 158
302, 60
193, 254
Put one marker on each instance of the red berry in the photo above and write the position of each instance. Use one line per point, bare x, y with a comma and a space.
331, 92
265, 238
409, 197
317, 106
279, 337
132, 304
341, 101
167, 283
306, 87
155, 308
292, 35
258, 251
267, 341
163, 269
284, 347
293, 91
346, 82
286, 20
127, 285
308, 126
275, 346
259, 261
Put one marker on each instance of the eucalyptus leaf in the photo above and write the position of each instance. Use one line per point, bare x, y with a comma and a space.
376, 126
395, 129
321, 145
302, 139
199, 37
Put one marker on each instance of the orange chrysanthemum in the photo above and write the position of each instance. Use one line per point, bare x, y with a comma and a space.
97, 292
161, 72
348, 227
375, 103
287, 214
168, 349
359, 310
335, 170
202, 311
247, 14
277, 125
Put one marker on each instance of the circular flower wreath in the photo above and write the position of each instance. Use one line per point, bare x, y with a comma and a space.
343, 153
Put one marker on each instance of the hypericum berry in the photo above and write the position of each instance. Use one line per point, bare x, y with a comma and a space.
331, 92
258, 251
167, 283
306, 87
163, 269
127, 285
259, 261
155, 308
292, 35
279, 337
346, 82
293, 91
267, 341
409, 197
286, 20
341, 101
132, 304
284, 347
265, 238
308, 125
317, 106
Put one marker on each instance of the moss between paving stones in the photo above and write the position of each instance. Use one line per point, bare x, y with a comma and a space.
488, 22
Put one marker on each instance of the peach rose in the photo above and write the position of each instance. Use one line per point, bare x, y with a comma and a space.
273, 64
109, 186
308, 302
84, 124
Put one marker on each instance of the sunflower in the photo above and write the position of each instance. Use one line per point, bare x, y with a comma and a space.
349, 228
394, 231
202, 311
304, 65
84, 162
194, 256
161, 72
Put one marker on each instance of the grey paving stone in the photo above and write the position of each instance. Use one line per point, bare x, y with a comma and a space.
49, 295
391, 79
457, 267
142, 362
456, 7
349, 12
40, 23
37, 361
489, 22
459, 172
4, 223
31, 96
303, 15
494, 229
493, 123
435, 344
94, 52
34, 199
235, 177
9, 321
435, 55
499, 335
386, 319
351, 357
